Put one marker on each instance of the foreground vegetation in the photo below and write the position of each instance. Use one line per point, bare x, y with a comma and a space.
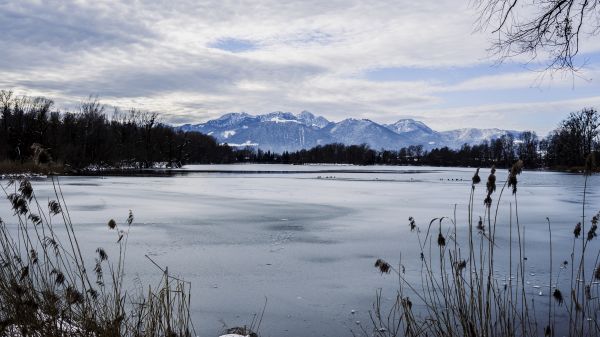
48, 288
470, 286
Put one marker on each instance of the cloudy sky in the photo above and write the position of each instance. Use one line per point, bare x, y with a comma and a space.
195, 60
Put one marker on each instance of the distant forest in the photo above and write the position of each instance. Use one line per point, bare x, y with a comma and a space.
35, 136
33, 133
567, 147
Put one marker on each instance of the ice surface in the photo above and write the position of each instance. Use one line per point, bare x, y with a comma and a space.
305, 237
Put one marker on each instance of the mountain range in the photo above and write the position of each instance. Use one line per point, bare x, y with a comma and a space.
285, 131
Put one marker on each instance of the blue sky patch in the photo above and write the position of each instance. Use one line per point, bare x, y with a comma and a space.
448, 75
234, 45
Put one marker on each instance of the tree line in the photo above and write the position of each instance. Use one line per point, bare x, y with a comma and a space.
33, 131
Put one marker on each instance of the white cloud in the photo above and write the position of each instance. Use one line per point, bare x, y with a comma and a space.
540, 116
525, 79
309, 54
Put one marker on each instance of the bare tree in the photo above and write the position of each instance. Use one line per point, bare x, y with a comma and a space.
585, 124
550, 30
91, 106
6, 101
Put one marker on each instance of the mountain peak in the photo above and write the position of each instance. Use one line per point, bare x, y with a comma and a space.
306, 114
409, 125
278, 117
280, 131
233, 115
310, 119
356, 120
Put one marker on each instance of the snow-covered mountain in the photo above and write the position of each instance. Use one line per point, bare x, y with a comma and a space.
363, 131
284, 131
409, 125
472, 136
312, 120
275, 131
417, 132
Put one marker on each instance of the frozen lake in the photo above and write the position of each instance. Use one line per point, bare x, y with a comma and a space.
305, 237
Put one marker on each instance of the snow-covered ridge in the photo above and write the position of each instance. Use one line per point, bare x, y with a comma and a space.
408, 125
285, 131
228, 133
281, 120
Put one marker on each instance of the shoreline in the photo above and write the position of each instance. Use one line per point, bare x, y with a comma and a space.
41, 172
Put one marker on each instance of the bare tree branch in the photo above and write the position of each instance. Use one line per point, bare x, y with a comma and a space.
543, 30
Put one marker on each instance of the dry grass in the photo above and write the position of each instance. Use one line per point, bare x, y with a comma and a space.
46, 289
461, 294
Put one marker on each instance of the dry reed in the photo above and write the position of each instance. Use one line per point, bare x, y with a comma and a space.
47, 290
459, 292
